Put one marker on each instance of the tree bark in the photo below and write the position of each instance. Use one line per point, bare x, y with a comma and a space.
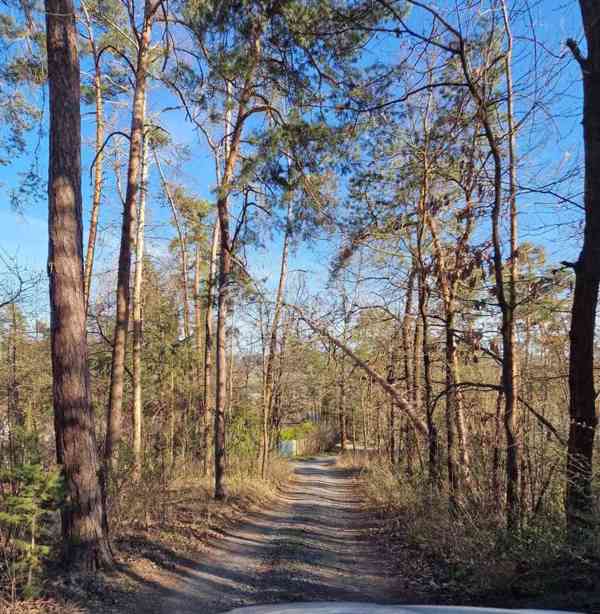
342, 406
513, 498
268, 392
459, 474
199, 426
137, 316
114, 417
221, 343
224, 282
98, 168
582, 411
208, 409
85, 540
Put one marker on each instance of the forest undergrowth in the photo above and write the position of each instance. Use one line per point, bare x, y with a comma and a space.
155, 523
466, 557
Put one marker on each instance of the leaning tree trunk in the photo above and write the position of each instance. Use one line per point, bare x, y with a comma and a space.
404, 405
582, 409
114, 416
85, 541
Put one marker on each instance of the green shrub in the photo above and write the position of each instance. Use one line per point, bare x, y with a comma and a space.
35, 495
298, 431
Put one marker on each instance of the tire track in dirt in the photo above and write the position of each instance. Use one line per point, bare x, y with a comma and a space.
315, 544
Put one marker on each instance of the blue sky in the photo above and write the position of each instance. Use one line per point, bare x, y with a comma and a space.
557, 144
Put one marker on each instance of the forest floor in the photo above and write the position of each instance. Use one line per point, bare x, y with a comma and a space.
314, 541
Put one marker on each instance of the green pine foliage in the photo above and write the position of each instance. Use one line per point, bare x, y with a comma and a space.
33, 495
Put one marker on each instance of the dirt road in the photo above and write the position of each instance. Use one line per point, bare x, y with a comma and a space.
315, 544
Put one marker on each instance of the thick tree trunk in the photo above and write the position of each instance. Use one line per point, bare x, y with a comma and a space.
114, 417
582, 410
85, 541
457, 406
137, 317
221, 343
408, 368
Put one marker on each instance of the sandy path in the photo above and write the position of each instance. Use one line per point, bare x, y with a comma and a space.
314, 545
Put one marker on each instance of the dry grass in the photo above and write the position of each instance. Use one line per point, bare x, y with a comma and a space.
469, 557
38, 606
154, 524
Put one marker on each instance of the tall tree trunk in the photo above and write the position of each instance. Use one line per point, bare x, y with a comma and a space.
405, 330
224, 281
98, 167
459, 475
342, 406
582, 409
268, 391
391, 380
198, 345
496, 489
407, 366
479, 90
513, 498
85, 541
221, 343
137, 316
208, 344
432, 435
117, 380
13, 405
451, 453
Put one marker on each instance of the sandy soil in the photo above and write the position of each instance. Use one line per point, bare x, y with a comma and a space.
314, 544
